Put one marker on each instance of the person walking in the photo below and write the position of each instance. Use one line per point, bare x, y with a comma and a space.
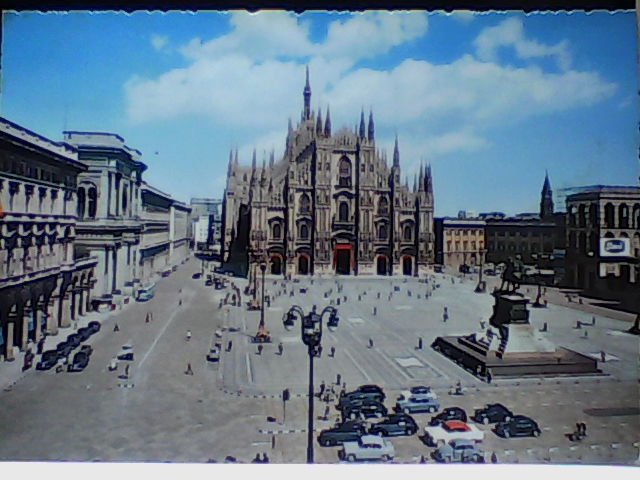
257, 459
265, 459
322, 387
333, 352
260, 347
326, 413
338, 379
188, 335
126, 371
370, 344
494, 457
116, 328
189, 369
229, 345
489, 377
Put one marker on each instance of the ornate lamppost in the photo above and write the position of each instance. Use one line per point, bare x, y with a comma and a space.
481, 287
263, 268
311, 330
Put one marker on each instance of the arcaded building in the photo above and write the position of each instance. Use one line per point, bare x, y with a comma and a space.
332, 204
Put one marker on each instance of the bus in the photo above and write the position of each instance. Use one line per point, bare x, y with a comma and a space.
146, 292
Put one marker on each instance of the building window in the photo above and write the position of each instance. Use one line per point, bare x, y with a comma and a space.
305, 204
473, 246
582, 216
304, 232
371, 168
345, 172
125, 199
407, 233
327, 166
609, 216
623, 216
449, 246
382, 232
343, 212
383, 206
81, 202
362, 168
92, 202
457, 246
276, 231
593, 215
636, 216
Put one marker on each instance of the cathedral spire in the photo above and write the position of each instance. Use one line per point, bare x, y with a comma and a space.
371, 127
396, 153
307, 98
319, 123
235, 160
421, 179
362, 124
272, 158
230, 167
415, 182
263, 174
428, 180
253, 161
327, 124
290, 126
546, 200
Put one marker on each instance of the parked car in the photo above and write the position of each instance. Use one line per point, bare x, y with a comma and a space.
214, 354
492, 413
174, 268
94, 326
368, 447
367, 408
458, 450
370, 389
87, 349
166, 273
64, 349
449, 413
48, 360
417, 405
419, 391
79, 363
126, 353
400, 424
452, 430
359, 397
85, 333
196, 275
208, 283
74, 339
349, 431
518, 426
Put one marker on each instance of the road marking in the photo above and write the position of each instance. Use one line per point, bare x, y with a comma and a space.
394, 365
560, 403
545, 404
615, 445
360, 369
573, 448
509, 452
546, 429
249, 374
553, 449
157, 339
593, 447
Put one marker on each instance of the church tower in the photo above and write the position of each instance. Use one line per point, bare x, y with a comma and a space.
307, 98
546, 201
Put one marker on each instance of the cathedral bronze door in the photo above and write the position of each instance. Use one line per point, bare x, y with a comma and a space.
343, 263
303, 265
381, 265
407, 265
276, 265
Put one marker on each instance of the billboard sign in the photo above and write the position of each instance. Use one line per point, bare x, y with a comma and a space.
615, 247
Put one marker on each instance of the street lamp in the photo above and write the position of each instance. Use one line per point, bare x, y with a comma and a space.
311, 331
481, 287
263, 267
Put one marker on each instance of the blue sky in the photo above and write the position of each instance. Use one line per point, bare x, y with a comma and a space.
491, 101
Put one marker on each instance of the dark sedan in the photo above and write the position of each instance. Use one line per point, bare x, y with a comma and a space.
94, 326
64, 349
87, 349
74, 339
85, 333
395, 425
79, 363
368, 409
492, 413
518, 426
196, 276
370, 389
359, 397
450, 413
48, 360
346, 432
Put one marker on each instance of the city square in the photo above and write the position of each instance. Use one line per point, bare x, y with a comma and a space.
223, 408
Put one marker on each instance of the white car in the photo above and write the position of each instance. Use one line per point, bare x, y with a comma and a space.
368, 447
418, 392
451, 430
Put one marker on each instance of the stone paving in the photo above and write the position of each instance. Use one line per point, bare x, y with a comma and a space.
222, 409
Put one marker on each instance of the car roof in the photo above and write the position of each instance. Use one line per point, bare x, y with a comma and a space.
522, 417
372, 439
458, 442
456, 425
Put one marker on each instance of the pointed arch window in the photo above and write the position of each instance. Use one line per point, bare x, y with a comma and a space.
382, 232
407, 233
81, 202
276, 231
92, 202
305, 204
383, 206
304, 231
343, 212
636, 216
344, 172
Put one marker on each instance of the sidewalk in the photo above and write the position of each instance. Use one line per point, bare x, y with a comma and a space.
11, 372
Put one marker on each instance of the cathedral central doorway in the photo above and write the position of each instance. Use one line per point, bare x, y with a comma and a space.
381, 265
303, 265
407, 266
343, 262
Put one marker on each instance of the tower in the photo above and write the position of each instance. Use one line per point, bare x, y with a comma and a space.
361, 132
546, 200
327, 124
371, 127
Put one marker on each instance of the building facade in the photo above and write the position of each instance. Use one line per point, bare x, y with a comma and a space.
594, 216
210, 208
332, 204
539, 239
459, 241
45, 281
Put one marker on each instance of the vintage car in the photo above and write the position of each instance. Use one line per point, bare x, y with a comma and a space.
355, 397
345, 432
420, 391
518, 426
451, 430
48, 360
449, 413
368, 447
458, 450
419, 404
394, 425
126, 353
79, 363
214, 354
492, 413
365, 408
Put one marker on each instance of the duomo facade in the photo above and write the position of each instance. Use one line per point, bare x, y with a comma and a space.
332, 204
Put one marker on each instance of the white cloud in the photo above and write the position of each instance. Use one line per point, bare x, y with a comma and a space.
159, 41
245, 80
510, 33
463, 16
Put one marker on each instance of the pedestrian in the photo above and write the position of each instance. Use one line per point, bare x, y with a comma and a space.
116, 328
445, 317
322, 387
326, 412
371, 343
257, 459
338, 379
188, 335
419, 343
265, 459
422, 459
40, 346
280, 348
489, 377
333, 352
578, 429
494, 457
273, 442
126, 371
319, 351
229, 345
189, 369
584, 429
459, 388
179, 302
260, 347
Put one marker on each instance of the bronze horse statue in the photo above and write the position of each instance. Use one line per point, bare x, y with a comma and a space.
512, 275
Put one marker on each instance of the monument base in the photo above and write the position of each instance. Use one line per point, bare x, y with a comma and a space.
478, 360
